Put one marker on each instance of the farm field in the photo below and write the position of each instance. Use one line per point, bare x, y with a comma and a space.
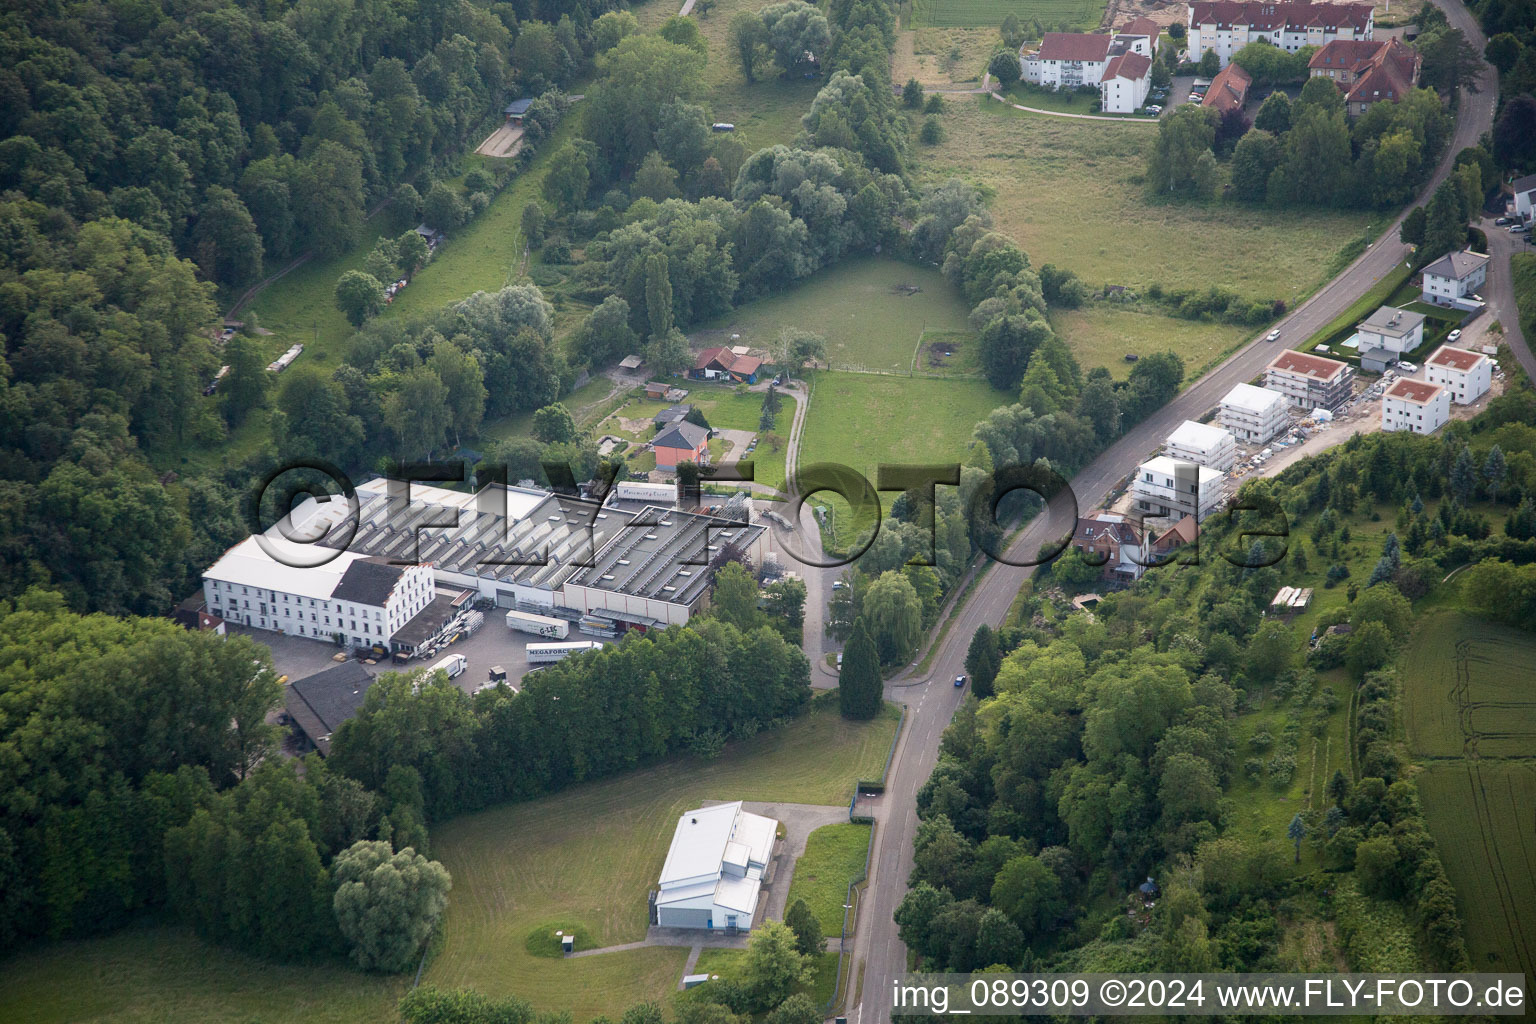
587, 857
1102, 335
865, 308
1053, 15
165, 975
834, 856
1480, 815
1070, 192
1466, 689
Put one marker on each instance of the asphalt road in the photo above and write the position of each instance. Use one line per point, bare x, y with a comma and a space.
877, 947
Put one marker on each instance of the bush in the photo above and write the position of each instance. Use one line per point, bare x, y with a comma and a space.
933, 131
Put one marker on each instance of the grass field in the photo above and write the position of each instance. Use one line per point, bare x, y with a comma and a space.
1070, 192
155, 975
1102, 335
1054, 15
1068, 102
1480, 815
1467, 689
834, 856
587, 857
866, 311
942, 57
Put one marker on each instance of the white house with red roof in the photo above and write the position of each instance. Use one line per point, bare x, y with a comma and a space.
1415, 405
1227, 26
1067, 60
1308, 381
1120, 64
1467, 376
1126, 82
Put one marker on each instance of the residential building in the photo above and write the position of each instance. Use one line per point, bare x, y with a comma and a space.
1415, 405
1066, 60
670, 415
726, 364
1172, 488
1309, 381
1140, 35
318, 704
518, 547
1229, 25
1465, 375
1112, 540
1368, 71
1454, 280
1387, 336
1228, 90
681, 442
1202, 444
713, 874
1180, 534
1126, 82
1525, 197
1254, 414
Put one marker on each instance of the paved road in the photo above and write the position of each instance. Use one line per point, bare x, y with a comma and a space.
882, 953
1501, 291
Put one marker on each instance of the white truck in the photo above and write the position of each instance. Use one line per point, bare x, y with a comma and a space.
454, 665
538, 625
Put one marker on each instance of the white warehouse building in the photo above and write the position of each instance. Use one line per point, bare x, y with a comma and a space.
1203, 445
1173, 489
713, 874
1254, 414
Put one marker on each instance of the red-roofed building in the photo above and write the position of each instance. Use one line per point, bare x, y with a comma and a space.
1126, 82
723, 364
1229, 89
1466, 375
1368, 71
1137, 29
1415, 405
1067, 60
1227, 26
1112, 540
1309, 381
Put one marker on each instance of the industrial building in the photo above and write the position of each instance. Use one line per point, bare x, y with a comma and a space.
1203, 445
713, 874
318, 704
607, 567
1254, 414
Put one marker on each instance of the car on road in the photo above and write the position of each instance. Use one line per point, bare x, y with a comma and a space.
1408, 367
959, 681
838, 584
1454, 335
1273, 335
1501, 221
1519, 229
1153, 109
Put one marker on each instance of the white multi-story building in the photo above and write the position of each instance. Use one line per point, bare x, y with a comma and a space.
1174, 489
1415, 405
365, 600
1066, 60
1254, 414
1467, 376
1525, 197
1386, 335
1203, 445
1126, 82
1454, 279
1308, 381
713, 873
1227, 26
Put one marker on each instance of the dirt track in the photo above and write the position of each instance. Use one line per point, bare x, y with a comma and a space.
503, 142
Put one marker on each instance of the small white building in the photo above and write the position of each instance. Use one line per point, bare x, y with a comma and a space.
1467, 376
1126, 82
1386, 335
1453, 279
1525, 197
1203, 445
714, 869
1173, 489
1415, 405
1254, 414
1308, 381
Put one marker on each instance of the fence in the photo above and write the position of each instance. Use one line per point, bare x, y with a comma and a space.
850, 904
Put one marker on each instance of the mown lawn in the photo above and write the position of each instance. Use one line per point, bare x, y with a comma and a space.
1070, 192
1054, 15
156, 975
867, 309
1102, 335
588, 856
834, 856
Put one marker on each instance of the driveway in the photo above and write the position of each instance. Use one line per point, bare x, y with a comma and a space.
1501, 294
